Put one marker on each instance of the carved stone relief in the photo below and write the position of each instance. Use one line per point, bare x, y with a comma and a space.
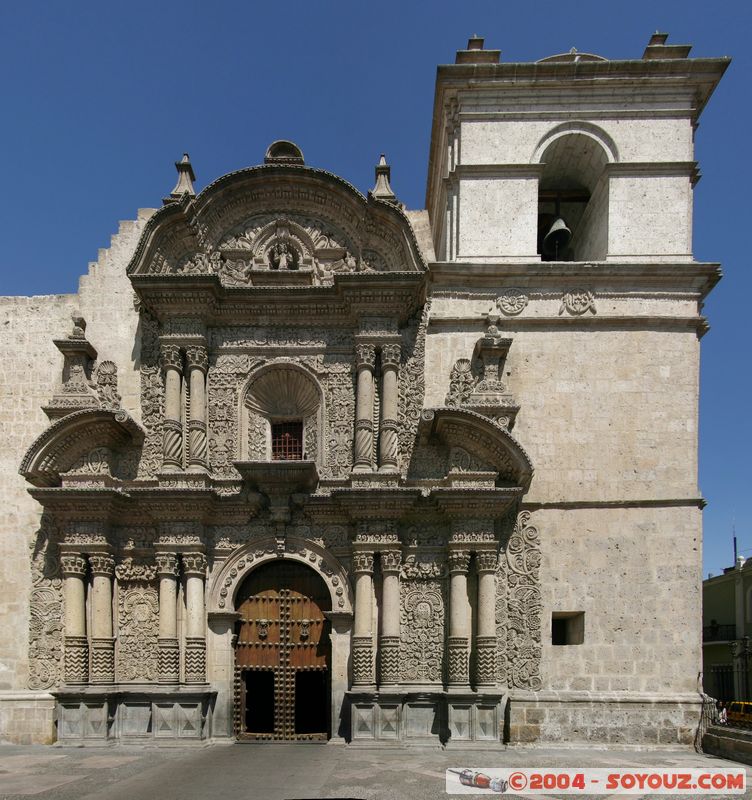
518, 607
152, 397
421, 631
45, 618
138, 632
412, 385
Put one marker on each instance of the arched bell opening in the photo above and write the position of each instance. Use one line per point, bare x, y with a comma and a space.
283, 654
573, 199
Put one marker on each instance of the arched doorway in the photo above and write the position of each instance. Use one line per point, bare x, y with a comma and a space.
282, 654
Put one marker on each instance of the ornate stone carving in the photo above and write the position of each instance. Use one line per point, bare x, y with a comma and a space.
462, 461
458, 560
194, 564
362, 660
102, 564
391, 560
138, 631
512, 302
196, 357
459, 660
72, 564
365, 356
421, 632
577, 302
76, 657
412, 385
423, 566
486, 560
167, 565
170, 357
461, 383
390, 356
152, 397
201, 264
519, 607
486, 656
389, 657
195, 660
168, 661
132, 569
96, 462
45, 619
362, 562
107, 384
102, 661
172, 442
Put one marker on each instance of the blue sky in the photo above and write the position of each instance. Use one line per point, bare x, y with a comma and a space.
99, 99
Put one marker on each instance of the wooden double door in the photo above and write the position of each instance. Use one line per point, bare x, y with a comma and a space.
283, 654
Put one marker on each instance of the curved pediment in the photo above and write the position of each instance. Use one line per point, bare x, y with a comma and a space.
264, 223
475, 444
83, 439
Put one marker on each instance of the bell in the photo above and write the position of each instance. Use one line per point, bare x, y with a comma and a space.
557, 238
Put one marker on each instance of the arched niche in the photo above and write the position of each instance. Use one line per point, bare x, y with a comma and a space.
282, 393
573, 189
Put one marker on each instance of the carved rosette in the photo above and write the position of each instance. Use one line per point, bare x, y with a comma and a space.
459, 662
195, 660
168, 661
389, 655
485, 660
76, 659
102, 661
362, 660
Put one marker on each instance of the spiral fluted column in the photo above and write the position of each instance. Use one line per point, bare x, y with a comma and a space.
362, 659
102, 642
197, 363
388, 429
169, 652
391, 561
76, 656
172, 441
365, 363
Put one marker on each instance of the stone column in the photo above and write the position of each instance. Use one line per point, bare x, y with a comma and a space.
365, 361
485, 662
194, 569
169, 650
459, 619
102, 642
389, 638
197, 364
388, 438
172, 441
76, 659
362, 659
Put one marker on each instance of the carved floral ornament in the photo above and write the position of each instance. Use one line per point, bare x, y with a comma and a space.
577, 302
512, 302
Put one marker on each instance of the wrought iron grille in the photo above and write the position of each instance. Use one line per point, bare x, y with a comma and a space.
287, 441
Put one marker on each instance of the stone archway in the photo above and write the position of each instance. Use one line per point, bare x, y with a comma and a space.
282, 654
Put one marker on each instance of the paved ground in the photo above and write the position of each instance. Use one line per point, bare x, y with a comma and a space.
283, 772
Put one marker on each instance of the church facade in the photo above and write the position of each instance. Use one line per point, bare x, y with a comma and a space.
297, 463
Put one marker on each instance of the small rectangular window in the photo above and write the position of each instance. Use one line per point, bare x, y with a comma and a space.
567, 627
287, 441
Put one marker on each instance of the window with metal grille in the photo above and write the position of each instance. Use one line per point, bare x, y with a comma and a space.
287, 441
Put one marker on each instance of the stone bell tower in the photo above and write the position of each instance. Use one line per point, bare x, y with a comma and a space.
560, 197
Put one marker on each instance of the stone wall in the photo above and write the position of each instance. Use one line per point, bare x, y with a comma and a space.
30, 373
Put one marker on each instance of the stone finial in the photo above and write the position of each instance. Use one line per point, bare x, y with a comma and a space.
475, 53
79, 328
658, 50
186, 177
383, 189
